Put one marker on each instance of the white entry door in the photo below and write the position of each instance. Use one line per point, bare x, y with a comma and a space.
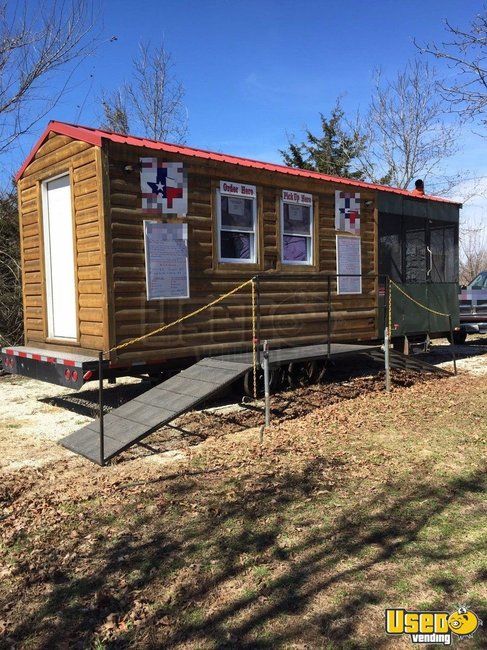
59, 258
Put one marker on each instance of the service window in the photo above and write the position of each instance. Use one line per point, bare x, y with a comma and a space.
296, 228
237, 222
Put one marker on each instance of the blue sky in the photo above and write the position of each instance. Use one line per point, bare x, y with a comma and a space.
256, 69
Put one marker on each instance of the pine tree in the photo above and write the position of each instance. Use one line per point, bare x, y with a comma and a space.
334, 151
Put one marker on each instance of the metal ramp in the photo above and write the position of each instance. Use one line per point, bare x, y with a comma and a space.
406, 362
128, 424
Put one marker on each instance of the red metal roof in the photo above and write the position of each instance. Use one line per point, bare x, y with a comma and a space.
96, 137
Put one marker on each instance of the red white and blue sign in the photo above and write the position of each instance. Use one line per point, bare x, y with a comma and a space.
164, 187
347, 211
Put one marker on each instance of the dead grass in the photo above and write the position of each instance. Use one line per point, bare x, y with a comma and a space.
349, 508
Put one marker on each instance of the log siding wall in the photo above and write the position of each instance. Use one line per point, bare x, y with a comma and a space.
294, 309
111, 291
58, 155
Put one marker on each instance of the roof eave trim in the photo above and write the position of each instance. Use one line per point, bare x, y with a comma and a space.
97, 136
59, 128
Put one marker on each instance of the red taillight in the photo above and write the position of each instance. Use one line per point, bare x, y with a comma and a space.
67, 374
74, 375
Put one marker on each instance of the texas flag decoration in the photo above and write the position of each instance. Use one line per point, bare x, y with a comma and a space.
164, 187
347, 211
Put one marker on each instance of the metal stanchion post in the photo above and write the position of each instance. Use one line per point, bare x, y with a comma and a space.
100, 408
452, 346
266, 385
328, 342
257, 300
265, 366
386, 360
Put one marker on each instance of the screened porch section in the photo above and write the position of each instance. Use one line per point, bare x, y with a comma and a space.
418, 250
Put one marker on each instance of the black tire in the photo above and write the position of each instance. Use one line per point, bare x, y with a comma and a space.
323, 372
248, 382
459, 338
398, 344
302, 374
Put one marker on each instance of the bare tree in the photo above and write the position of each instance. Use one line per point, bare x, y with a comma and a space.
115, 112
11, 323
408, 132
465, 52
151, 101
473, 251
40, 44
37, 41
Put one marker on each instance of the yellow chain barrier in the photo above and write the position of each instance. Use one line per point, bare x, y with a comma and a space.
389, 323
393, 284
194, 313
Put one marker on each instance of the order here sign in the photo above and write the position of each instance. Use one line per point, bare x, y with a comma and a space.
238, 189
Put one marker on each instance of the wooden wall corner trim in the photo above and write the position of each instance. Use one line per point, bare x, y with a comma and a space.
106, 261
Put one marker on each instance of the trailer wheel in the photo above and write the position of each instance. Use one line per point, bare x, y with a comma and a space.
302, 374
157, 377
323, 371
459, 338
248, 381
398, 344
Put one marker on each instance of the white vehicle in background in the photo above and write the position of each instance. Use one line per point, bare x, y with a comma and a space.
473, 308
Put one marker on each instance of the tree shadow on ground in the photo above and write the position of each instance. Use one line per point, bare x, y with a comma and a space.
227, 532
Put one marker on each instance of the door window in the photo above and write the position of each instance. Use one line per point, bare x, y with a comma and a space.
479, 283
443, 252
415, 249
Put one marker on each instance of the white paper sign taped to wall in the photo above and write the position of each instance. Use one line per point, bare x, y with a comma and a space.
166, 260
349, 260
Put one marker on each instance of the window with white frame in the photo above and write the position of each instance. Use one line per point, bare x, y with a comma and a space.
296, 227
237, 219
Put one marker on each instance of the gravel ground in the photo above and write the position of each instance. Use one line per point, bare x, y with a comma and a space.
34, 416
471, 357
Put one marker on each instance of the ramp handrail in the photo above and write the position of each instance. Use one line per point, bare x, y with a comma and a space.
166, 326
253, 281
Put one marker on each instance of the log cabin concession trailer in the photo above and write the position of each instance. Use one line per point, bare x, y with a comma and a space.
120, 235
